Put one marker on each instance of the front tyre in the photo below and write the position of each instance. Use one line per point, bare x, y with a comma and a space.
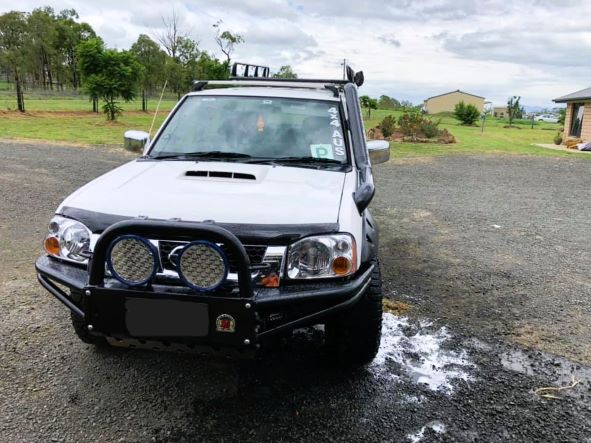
353, 338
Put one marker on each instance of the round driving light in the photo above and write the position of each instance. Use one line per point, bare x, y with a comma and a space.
132, 260
202, 265
341, 265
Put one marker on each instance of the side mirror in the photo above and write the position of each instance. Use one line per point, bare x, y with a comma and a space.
379, 151
136, 141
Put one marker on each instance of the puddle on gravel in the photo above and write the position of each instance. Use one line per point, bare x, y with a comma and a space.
420, 355
563, 371
437, 427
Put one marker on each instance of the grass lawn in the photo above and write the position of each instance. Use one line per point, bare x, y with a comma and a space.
84, 128
494, 140
68, 119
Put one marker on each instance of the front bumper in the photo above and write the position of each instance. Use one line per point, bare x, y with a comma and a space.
110, 309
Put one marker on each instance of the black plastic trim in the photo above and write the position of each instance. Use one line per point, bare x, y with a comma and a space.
271, 234
199, 86
371, 237
365, 189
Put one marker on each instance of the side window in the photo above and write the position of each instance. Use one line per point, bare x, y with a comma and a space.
577, 119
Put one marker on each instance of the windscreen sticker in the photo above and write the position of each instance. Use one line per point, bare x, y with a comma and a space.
337, 143
322, 150
334, 117
337, 136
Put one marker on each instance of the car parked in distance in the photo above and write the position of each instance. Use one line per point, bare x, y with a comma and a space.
549, 118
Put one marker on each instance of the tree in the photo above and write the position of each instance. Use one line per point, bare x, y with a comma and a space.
42, 44
406, 105
13, 41
226, 40
285, 71
185, 67
209, 67
70, 34
108, 74
513, 109
172, 34
385, 102
468, 114
175, 40
368, 103
153, 61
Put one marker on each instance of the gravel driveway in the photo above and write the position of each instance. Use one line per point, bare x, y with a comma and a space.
487, 257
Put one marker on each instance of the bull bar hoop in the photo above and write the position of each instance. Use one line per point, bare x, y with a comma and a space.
172, 231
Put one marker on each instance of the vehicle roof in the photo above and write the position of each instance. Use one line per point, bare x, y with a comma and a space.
261, 91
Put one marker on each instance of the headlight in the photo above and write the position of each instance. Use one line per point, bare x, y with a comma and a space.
68, 239
322, 256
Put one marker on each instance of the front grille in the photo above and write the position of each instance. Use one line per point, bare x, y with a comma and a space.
255, 253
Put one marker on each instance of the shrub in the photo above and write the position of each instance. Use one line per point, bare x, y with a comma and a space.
558, 139
466, 113
429, 128
445, 137
410, 123
387, 125
414, 125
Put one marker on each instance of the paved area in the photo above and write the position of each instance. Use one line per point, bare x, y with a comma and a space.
485, 258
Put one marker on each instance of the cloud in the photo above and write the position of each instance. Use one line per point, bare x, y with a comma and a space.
389, 39
278, 33
566, 49
408, 49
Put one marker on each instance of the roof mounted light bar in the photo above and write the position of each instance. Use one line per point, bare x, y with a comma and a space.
255, 75
247, 70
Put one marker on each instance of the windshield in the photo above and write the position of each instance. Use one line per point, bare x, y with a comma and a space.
254, 127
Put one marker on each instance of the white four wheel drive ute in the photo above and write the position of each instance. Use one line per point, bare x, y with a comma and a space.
245, 218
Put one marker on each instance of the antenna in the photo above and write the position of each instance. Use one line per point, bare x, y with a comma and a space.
157, 107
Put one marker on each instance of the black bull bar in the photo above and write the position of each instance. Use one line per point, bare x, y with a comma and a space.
102, 306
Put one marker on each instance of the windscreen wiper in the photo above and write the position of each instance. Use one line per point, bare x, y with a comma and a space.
301, 160
202, 155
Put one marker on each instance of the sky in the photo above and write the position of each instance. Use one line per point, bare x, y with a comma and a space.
411, 50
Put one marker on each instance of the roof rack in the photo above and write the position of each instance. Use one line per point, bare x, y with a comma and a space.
255, 75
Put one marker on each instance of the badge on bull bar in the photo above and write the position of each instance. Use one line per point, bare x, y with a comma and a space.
225, 323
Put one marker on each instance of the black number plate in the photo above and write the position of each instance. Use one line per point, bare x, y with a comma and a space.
166, 318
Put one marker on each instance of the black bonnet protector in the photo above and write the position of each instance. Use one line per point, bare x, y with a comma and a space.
270, 234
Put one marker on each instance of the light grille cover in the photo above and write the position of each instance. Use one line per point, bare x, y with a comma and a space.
132, 260
203, 265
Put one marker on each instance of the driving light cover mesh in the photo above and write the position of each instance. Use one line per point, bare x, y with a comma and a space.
203, 265
132, 260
